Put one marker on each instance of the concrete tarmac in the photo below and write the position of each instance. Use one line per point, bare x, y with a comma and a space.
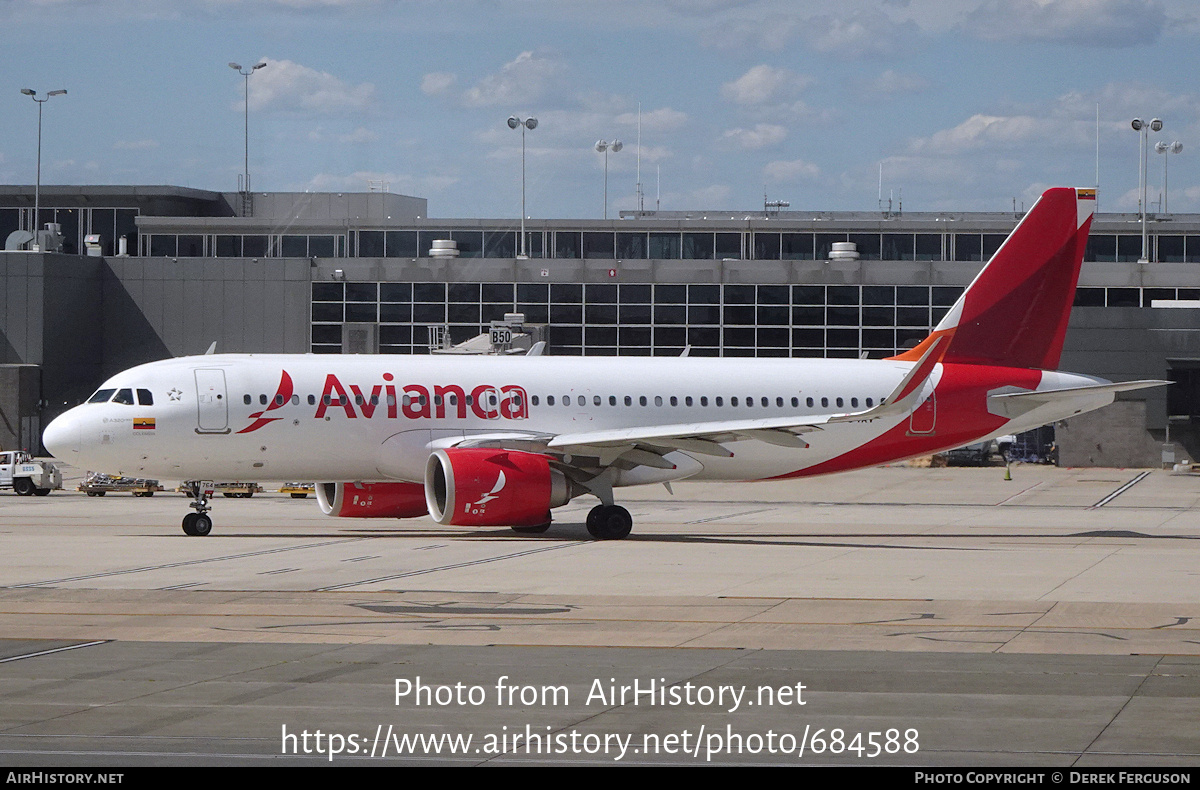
889, 616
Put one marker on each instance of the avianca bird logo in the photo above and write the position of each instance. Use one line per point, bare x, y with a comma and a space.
283, 394
489, 496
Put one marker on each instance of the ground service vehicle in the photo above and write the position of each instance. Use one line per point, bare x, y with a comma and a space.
27, 476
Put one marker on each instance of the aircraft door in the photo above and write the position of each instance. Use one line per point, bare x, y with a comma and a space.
212, 405
923, 421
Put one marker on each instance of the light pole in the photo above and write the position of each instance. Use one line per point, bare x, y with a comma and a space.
530, 124
1166, 150
245, 185
1144, 128
603, 146
37, 187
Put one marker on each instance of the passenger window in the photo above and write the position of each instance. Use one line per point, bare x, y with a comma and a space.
766, 402
582, 400
687, 401
278, 400
778, 402
720, 402
312, 400
732, 401
612, 400
124, 396
825, 402
703, 400
674, 401
795, 403
262, 400
246, 399
533, 399
839, 403
326, 400
145, 398
869, 403
295, 400
658, 400
854, 402
596, 400
549, 400
101, 396
628, 401
808, 402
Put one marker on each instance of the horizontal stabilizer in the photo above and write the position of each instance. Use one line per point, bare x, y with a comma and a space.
1049, 396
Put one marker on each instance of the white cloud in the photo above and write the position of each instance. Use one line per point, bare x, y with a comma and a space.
793, 170
983, 130
525, 79
359, 135
763, 84
286, 85
1109, 23
761, 136
663, 119
862, 34
397, 182
437, 82
891, 83
135, 145
713, 196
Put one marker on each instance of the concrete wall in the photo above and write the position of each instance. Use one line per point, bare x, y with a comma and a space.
158, 307
1114, 436
50, 316
20, 395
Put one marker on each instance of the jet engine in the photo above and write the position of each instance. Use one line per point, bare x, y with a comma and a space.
492, 488
372, 500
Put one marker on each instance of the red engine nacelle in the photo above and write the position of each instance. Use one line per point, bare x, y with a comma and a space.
492, 488
372, 500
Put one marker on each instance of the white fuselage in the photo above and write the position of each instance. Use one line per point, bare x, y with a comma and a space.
276, 417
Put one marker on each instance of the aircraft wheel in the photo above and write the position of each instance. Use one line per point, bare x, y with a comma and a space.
23, 486
536, 529
41, 491
299, 495
96, 493
197, 524
230, 494
609, 522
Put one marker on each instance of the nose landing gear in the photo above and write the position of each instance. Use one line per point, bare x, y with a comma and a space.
199, 524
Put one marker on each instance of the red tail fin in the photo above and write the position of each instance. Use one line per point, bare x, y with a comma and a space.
1015, 312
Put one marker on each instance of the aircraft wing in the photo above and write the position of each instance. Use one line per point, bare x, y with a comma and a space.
646, 445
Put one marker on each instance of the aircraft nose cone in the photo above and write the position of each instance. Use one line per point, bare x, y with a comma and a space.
61, 436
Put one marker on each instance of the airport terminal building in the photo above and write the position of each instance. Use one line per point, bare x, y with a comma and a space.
146, 272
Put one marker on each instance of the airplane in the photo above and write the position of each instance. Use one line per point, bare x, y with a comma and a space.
502, 441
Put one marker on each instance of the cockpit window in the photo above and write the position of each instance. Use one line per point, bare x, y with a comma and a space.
101, 396
124, 396
145, 398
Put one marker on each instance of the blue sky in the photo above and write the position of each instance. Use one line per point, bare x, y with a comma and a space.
968, 105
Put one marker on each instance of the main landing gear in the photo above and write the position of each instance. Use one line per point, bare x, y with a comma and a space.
199, 524
609, 522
